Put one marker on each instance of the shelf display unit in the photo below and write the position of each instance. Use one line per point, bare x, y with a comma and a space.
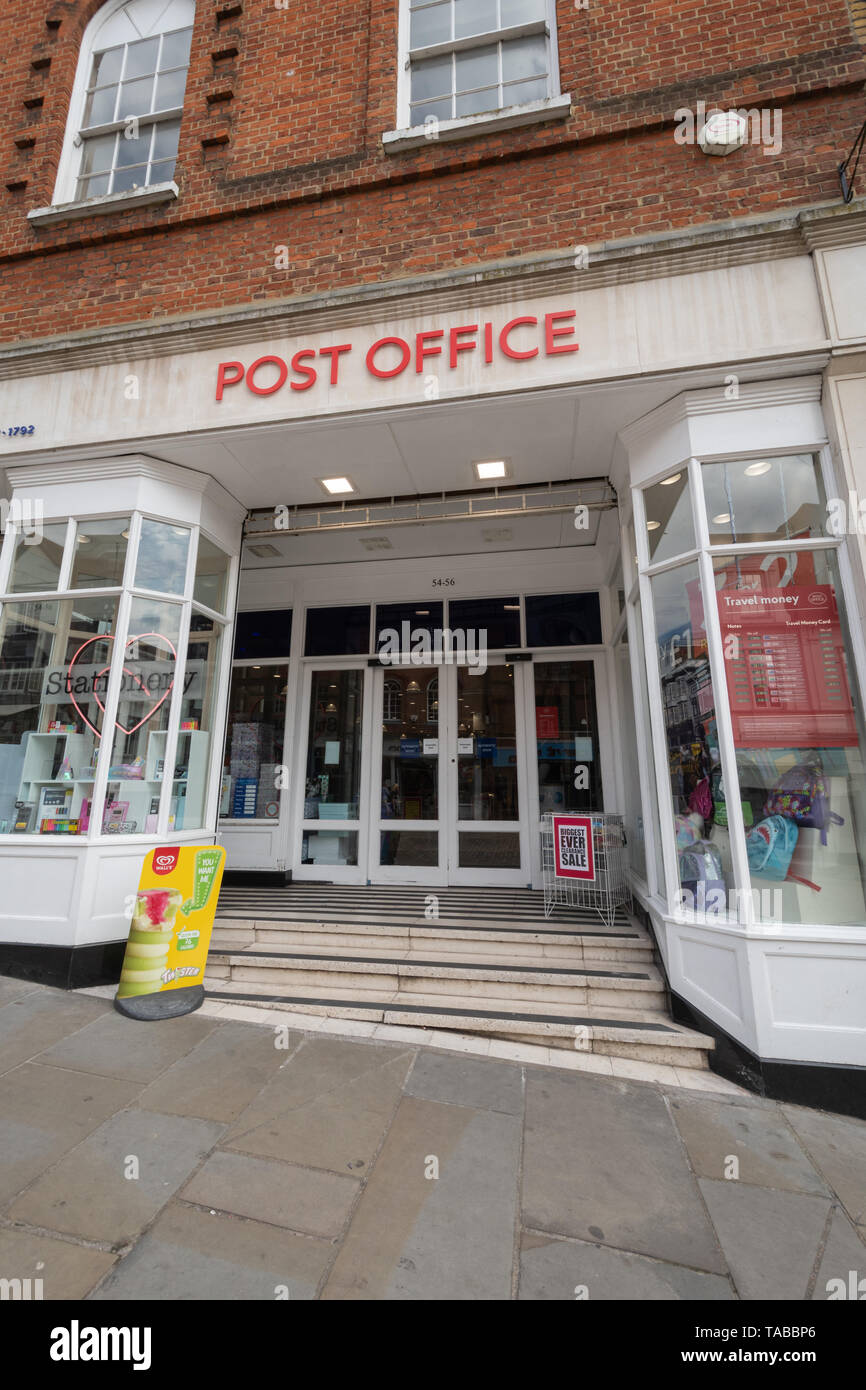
56, 782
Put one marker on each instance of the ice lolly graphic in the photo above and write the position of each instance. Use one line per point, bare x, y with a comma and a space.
149, 940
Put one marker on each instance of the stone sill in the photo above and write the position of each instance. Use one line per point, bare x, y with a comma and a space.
487, 122
108, 202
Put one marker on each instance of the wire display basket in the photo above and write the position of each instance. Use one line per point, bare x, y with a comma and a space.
608, 889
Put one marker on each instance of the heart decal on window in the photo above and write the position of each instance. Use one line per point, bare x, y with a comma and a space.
131, 641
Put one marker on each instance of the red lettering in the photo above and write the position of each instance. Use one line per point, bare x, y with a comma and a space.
223, 380
334, 353
550, 333
392, 371
421, 349
266, 390
503, 338
488, 342
456, 346
308, 372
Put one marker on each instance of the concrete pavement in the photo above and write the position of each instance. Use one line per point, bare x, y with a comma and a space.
209, 1158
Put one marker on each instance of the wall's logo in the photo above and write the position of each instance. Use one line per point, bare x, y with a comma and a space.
165, 860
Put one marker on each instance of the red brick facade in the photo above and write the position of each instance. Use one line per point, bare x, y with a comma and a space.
281, 146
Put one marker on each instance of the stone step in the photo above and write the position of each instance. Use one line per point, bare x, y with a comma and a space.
424, 971
638, 1034
631, 943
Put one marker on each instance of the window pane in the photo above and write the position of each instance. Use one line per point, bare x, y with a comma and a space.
412, 848
211, 575
518, 93
422, 618
54, 662
106, 66
162, 555
98, 154
263, 634
442, 111
337, 631
430, 26
135, 98
691, 738
192, 758
100, 107
254, 744
99, 555
170, 87
93, 188
490, 851
162, 172
486, 623
566, 737
127, 179
798, 730
471, 103
474, 17
138, 769
521, 11
431, 78
333, 784
478, 67
329, 847
175, 49
141, 58
524, 58
410, 714
487, 777
133, 151
670, 528
563, 620
165, 139
627, 738
764, 499
36, 559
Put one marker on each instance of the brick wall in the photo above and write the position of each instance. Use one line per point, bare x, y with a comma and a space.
281, 146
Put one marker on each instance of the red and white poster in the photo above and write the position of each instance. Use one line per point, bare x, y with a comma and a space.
784, 654
547, 721
573, 851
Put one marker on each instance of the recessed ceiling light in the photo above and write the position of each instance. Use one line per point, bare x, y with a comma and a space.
422, 612
674, 478
335, 486
511, 607
653, 525
491, 468
755, 470
722, 519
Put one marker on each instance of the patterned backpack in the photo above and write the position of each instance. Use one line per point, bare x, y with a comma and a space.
802, 796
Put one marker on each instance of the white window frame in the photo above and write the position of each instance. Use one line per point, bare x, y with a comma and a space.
555, 105
69, 166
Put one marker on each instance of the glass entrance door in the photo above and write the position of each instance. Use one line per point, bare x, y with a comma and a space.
406, 843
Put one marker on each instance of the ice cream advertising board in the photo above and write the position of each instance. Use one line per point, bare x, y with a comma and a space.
172, 919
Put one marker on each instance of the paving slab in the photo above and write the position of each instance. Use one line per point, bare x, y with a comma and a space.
117, 1046
459, 1080
300, 1199
770, 1238
837, 1146
554, 1269
86, 1194
45, 1113
15, 989
329, 1107
66, 1270
602, 1161
190, 1255
31, 1024
221, 1075
758, 1137
844, 1257
414, 1237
